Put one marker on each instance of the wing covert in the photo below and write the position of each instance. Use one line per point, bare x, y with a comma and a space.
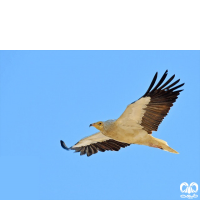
149, 111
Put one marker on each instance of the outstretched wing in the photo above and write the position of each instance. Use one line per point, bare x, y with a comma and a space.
149, 111
94, 143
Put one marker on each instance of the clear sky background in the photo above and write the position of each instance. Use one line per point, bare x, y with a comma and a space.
47, 96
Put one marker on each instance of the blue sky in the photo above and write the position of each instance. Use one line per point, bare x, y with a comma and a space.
51, 95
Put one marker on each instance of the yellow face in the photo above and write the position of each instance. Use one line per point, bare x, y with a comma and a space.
98, 125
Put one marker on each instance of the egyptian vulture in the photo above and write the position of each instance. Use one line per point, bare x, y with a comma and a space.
136, 123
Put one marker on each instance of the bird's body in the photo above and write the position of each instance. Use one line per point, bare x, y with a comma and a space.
128, 135
136, 124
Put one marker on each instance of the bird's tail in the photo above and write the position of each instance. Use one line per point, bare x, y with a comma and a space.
161, 144
167, 148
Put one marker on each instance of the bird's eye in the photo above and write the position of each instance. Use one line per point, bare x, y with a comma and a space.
100, 123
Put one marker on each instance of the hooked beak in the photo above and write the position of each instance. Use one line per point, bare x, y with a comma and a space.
91, 124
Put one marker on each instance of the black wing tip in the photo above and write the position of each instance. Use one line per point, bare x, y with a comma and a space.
110, 145
161, 84
63, 145
166, 72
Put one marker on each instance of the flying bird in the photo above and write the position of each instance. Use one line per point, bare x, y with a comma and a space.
136, 123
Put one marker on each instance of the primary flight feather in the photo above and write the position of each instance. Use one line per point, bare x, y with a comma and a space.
136, 123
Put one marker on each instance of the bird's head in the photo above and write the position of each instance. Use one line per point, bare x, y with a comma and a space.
98, 125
